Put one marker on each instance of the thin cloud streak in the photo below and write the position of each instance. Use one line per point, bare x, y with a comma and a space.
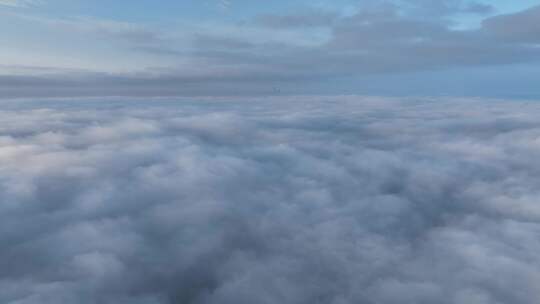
19, 3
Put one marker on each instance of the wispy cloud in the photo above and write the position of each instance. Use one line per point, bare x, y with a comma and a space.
224, 4
19, 3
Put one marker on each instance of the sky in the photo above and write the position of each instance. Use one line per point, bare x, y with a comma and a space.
235, 47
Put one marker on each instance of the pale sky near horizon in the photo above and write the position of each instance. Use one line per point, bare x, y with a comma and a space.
238, 47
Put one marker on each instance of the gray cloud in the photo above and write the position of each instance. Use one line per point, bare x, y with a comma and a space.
519, 27
387, 39
392, 42
383, 39
290, 200
379, 39
313, 19
447, 7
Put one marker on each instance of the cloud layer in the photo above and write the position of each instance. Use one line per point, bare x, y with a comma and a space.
301, 200
304, 51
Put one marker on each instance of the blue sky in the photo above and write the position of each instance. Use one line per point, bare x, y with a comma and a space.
240, 47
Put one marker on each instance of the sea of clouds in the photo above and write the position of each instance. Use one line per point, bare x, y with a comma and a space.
283, 200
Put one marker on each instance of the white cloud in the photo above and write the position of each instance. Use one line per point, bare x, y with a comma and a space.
290, 200
224, 4
19, 3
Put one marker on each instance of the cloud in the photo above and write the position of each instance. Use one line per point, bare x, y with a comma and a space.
19, 3
429, 9
133, 33
518, 27
224, 4
292, 52
289, 200
384, 38
313, 19
296, 52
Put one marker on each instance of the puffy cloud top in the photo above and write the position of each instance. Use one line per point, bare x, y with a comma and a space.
300, 200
